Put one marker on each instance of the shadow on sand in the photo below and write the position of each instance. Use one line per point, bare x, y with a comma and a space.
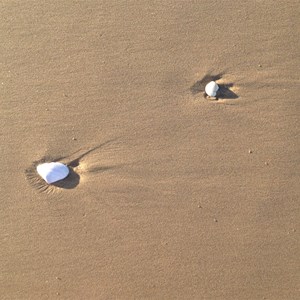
224, 91
72, 180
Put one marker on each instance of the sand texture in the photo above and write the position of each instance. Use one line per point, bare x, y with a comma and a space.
171, 195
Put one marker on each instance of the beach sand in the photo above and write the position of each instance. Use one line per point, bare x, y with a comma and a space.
172, 196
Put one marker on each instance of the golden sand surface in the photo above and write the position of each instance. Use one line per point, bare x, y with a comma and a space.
172, 195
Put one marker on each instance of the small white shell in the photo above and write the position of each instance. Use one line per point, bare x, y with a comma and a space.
53, 171
211, 89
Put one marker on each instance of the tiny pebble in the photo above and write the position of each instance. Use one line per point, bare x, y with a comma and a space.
74, 139
215, 220
199, 206
250, 151
266, 163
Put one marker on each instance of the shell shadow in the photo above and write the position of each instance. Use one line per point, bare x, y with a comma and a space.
73, 178
224, 91
70, 182
199, 86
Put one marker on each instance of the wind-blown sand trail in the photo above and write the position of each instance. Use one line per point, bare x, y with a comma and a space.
171, 195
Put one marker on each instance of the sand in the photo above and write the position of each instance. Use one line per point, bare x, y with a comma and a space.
173, 196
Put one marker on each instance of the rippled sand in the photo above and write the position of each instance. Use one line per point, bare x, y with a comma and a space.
173, 196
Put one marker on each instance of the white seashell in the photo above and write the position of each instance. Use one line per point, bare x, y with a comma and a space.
53, 171
211, 89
